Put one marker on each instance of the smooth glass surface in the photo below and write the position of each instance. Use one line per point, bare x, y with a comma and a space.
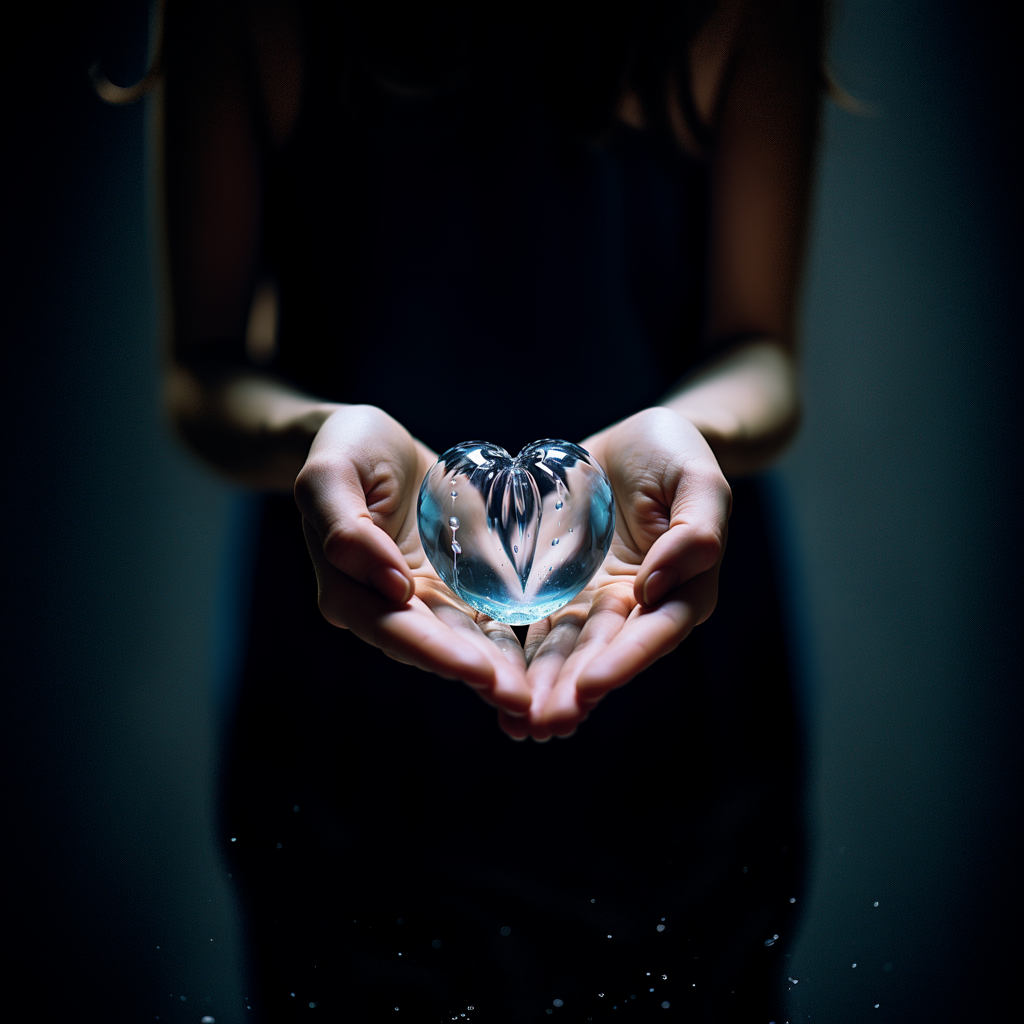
516, 538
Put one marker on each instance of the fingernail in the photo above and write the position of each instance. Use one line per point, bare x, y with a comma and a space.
658, 584
391, 583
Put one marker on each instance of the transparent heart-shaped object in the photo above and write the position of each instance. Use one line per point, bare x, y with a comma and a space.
516, 538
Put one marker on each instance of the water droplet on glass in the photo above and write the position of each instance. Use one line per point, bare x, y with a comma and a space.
558, 505
504, 500
456, 547
206, 1020
453, 523
554, 543
876, 902
792, 899
661, 927
769, 942
665, 1005
557, 1002
664, 977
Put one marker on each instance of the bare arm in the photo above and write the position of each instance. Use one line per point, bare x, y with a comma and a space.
730, 416
760, 93
746, 404
250, 426
354, 470
246, 423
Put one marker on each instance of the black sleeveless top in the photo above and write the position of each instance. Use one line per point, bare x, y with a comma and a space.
461, 264
457, 261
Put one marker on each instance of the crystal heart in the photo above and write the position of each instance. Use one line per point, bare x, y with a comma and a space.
516, 538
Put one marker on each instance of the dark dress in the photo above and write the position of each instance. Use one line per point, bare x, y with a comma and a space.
479, 275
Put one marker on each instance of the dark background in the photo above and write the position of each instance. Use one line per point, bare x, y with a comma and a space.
897, 510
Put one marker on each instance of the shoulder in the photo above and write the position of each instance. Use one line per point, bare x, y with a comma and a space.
250, 48
733, 36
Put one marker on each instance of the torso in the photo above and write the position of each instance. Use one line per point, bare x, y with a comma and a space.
460, 264
455, 260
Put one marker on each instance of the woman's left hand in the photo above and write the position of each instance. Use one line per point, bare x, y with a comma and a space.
659, 580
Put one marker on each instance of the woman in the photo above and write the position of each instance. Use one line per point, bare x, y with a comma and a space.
393, 229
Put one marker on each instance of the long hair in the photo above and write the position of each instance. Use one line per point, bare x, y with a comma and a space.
123, 94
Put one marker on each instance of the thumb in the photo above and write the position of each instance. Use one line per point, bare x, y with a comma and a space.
695, 540
678, 555
332, 500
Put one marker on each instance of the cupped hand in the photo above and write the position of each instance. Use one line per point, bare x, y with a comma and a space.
357, 493
659, 580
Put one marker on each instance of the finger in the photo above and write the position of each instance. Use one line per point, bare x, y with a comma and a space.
648, 634
552, 648
535, 636
502, 636
411, 634
508, 689
681, 553
516, 728
333, 501
563, 709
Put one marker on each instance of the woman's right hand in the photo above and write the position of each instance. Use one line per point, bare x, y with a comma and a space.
357, 493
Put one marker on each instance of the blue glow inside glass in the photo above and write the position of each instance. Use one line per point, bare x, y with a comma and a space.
516, 538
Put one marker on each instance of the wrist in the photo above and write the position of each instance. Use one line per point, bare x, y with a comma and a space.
746, 405
718, 424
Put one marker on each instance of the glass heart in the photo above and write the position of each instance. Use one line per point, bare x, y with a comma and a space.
516, 538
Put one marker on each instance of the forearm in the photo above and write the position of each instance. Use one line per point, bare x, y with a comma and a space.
746, 405
252, 427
